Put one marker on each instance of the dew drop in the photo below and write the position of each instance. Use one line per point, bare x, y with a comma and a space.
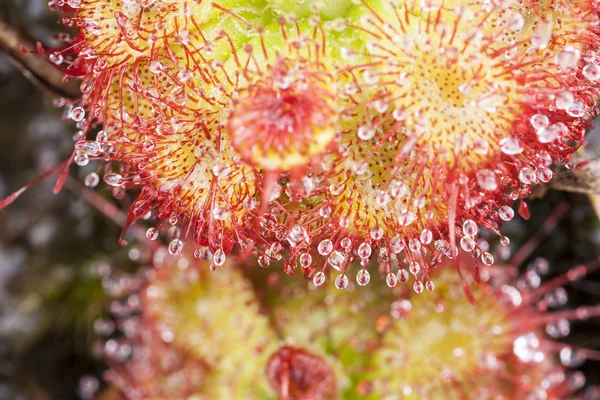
184, 76
414, 245
382, 198
429, 286
219, 257
89, 147
542, 34
77, 114
264, 261
539, 121
325, 211
346, 243
366, 132
391, 280
397, 244
114, 179
399, 114
510, 146
431, 5
305, 260
418, 287
101, 136
481, 146
515, 22
591, 72
364, 251
319, 278
559, 328
336, 260
549, 134
220, 170
152, 233
467, 244
371, 77
426, 236
545, 175
577, 109
487, 179
341, 281
91, 180
325, 247
571, 358
398, 189
470, 228
376, 233
506, 213
363, 277
403, 275
81, 159
527, 175
487, 258
56, 58
564, 100
443, 247
175, 247
381, 106
414, 268
567, 59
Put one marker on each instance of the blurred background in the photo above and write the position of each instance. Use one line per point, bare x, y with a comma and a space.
51, 245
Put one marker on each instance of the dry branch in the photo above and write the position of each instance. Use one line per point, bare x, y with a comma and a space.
34, 66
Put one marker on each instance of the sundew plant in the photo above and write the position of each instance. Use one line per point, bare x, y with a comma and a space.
266, 153
328, 133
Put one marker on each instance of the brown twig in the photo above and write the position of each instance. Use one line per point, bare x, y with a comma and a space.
34, 66
581, 180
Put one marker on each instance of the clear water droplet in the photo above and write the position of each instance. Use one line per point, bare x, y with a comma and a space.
391, 280
305, 260
539, 121
219, 257
591, 72
429, 286
114, 179
403, 275
470, 228
414, 267
363, 277
567, 59
418, 287
467, 244
364, 251
325, 247
319, 278
487, 258
175, 247
377, 233
366, 132
152, 233
506, 213
341, 281
426, 236
397, 244
91, 180
336, 260
487, 180
527, 176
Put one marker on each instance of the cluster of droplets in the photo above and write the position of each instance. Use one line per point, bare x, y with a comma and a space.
356, 153
506, 345
158, 338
